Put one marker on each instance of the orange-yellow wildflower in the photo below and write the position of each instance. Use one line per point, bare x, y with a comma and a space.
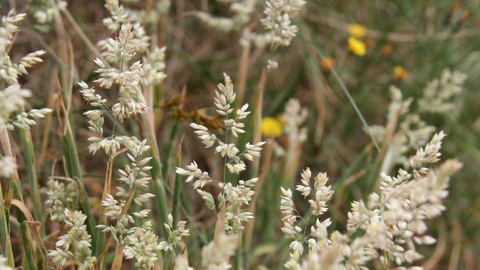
357, 30
325, 64
271, 127
400, 73
387, 50
356, 46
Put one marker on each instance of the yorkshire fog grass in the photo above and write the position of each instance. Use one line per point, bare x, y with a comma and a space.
239, 134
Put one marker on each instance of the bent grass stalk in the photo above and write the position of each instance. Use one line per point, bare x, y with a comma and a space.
250, 226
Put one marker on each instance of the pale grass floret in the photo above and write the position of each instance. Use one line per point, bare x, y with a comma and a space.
12, 98
123, 48
44, 10
241, 10
193, 172
77, 238
272, 65
235, 197
253, 150
90, 96
259, 40
231, 197
175, 235
118, 15
207, 198
431, 152
60, 198
135, 174
287, 208
222, 24
439, 92
229, 150
8, 166
437, 98
216, 254
203, 134
392, 223
305, 186
321, 194
225, 97
139, 242
142, 244
154, 67
4, 263
10, 71
295, 117
278, 20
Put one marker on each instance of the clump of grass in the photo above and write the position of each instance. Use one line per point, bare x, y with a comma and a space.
104, 193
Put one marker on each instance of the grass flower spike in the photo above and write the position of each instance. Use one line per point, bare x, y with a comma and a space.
232, 197
76, 243
278, 15
392, 222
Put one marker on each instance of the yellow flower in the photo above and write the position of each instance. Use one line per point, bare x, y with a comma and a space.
400, 72
357, 30
271, 127
356, 46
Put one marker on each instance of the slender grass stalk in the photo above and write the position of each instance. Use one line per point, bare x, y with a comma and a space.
27, 241
29, 154
237, 261
257, 120
9, 253
242, 76
103, 219
178, 189
84, 37
101, 258
250, 226
117, 262
46, 131
158, 182
390, 131
63, 52
195, 234
29, 253
170, 148
5, 229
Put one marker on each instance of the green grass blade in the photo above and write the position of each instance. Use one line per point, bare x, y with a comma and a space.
28, 153
158, 182
5, 230
170, 148
177, 190
73, 162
